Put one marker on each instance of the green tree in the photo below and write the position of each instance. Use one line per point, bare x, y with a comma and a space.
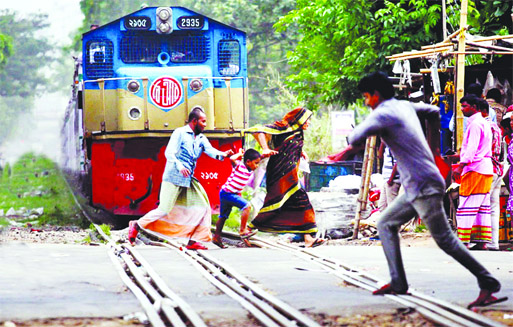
24, 75
5, 48
344, 40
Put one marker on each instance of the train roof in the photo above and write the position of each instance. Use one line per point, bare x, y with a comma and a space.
154, 8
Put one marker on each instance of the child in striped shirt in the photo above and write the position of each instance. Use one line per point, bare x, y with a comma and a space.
230, 194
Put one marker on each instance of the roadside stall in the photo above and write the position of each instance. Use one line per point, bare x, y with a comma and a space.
442, 82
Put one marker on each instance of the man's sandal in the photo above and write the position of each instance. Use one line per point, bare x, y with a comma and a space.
486, 298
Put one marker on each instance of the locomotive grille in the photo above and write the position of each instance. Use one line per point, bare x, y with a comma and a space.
189, 48
99, 59
139, 49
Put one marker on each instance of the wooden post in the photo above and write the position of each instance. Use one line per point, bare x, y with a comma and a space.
368, 163
444, 14
460, 74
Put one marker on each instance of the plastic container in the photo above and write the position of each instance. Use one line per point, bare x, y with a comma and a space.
321, 174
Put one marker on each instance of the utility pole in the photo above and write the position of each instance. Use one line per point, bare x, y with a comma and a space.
460, 73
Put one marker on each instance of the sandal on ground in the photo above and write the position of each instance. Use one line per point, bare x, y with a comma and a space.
219, 243
478, 247
486, 298
132, 232
316, 243
388, 289
249, 234
196, 246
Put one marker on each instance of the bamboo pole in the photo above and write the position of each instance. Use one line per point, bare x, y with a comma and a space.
422, 52
444, 19
368, 163
489, 47
460, 75
481, 53
495, 37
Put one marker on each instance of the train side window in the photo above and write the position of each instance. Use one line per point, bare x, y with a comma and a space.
229, 57
99, 59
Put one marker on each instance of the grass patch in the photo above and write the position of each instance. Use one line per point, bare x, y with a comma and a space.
232, 224
35, 181
420, 228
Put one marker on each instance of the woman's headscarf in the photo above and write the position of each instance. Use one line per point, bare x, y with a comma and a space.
293, 120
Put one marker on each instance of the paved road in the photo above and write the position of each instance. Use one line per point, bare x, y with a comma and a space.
44, 280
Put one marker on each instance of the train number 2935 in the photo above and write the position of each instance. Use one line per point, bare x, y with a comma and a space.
208, 175
128, 177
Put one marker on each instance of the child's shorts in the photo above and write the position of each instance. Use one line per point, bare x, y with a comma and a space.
230, 200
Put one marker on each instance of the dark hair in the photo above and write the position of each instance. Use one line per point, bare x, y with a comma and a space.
471, 99
377, 81
483, 106
495, 94
475, 89
251, 154
195, 114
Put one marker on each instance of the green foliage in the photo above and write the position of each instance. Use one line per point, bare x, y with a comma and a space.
5, 48
346, 39
23, 75
420, 228
233, 222
318, 136
105, 229
34, 182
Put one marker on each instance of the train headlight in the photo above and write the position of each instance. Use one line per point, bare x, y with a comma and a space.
134, 113
164, 20
196, 85
133, 86
164, 28
164, 14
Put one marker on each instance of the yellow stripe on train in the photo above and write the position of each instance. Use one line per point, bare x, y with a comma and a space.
120, 110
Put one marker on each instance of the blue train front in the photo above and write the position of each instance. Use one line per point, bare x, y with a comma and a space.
142, 75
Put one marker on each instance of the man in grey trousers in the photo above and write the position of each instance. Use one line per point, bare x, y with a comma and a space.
396, 122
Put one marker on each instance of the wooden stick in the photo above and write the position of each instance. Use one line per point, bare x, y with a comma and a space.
368, 163
417, 54
435, 46
495, 37
482, 53
489, 47
460, 73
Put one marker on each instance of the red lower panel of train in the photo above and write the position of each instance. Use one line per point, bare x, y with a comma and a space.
127, 173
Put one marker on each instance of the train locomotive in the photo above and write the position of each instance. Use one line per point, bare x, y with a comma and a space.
138, 78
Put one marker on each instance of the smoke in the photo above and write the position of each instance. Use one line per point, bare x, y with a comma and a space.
37, 131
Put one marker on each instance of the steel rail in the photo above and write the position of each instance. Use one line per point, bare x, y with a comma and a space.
269, 310
213, 278
437, 310
151, 291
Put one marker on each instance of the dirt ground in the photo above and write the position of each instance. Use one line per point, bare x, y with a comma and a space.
71, 235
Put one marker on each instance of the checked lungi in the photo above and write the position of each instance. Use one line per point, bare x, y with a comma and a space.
473, 214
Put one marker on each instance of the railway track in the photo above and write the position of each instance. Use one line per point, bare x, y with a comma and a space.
267, 309
439, 311
165, 308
